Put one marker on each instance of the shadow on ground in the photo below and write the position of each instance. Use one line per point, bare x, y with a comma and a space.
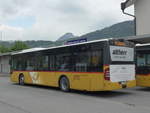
145, 89
104, 94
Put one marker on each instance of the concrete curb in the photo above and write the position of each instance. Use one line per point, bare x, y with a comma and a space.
4, 75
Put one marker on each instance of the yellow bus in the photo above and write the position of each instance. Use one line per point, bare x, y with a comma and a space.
100, 65
143, 65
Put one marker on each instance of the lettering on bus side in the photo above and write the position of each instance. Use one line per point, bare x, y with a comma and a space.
119, 52
76, 77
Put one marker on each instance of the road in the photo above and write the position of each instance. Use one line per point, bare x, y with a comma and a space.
39, 99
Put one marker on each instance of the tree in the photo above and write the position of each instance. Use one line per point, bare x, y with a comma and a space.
4, 49
19, 45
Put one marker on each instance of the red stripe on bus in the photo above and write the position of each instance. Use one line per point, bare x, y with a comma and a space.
143, 74
60, 72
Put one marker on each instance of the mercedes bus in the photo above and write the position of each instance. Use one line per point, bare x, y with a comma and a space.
101, 65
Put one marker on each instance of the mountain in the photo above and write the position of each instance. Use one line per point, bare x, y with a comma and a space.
118, 30
31, 44
39, 43
66, 36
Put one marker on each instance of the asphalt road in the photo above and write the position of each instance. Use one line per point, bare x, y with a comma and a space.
38, 99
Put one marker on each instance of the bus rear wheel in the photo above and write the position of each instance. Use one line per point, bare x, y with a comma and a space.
21, 79
64, 84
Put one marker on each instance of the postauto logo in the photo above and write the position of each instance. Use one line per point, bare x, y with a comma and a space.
119, 52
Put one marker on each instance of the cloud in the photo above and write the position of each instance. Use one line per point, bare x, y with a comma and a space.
10, 33
53, 18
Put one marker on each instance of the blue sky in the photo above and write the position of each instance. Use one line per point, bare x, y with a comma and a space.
22, 21
50, 19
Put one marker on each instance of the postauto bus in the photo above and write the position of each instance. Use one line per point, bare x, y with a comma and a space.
143, 65
100, 65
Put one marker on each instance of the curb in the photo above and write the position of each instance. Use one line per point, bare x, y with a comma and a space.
4, 75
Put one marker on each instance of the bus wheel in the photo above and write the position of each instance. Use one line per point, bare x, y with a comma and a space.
21, 79
64, 84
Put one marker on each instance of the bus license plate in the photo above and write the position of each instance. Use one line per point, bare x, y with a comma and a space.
123, 83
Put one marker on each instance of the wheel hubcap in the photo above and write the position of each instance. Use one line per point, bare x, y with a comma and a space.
64, 84
21, 80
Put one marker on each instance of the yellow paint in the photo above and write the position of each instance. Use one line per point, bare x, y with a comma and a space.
79, 81
115, 85
143, 80
119, 43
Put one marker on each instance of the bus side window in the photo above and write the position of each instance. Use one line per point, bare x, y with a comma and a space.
52, 63
42, 63
143, 63
96, 63
141, 59
148, 60
30, 65
19, 63
63, 62
82, 61
14, 64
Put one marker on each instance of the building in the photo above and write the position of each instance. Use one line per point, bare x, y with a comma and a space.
142, 15
5, 58
5, 64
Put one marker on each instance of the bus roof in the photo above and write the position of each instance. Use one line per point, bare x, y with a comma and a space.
28, 50
143, 47
138, 45
139, 39
54, 47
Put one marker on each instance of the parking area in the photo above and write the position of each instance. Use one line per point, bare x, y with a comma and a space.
39, 99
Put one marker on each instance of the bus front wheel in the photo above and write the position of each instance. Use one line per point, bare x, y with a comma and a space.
64, 84
21, 79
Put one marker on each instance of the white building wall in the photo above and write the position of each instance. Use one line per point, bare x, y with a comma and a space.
142, 12
4, 64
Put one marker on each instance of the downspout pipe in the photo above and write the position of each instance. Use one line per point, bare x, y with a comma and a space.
123, 6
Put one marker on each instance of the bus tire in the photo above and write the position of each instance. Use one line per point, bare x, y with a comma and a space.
21, 79
64, 84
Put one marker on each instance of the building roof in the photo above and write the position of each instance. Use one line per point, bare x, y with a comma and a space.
128, 3
138, 45
6, 54
139, 39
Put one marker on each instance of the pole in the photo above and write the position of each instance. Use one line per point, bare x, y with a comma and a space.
123, 10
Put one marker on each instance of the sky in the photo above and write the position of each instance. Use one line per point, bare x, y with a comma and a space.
50, 19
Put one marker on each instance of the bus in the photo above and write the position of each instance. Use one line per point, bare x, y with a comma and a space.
143, 65
101, 65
